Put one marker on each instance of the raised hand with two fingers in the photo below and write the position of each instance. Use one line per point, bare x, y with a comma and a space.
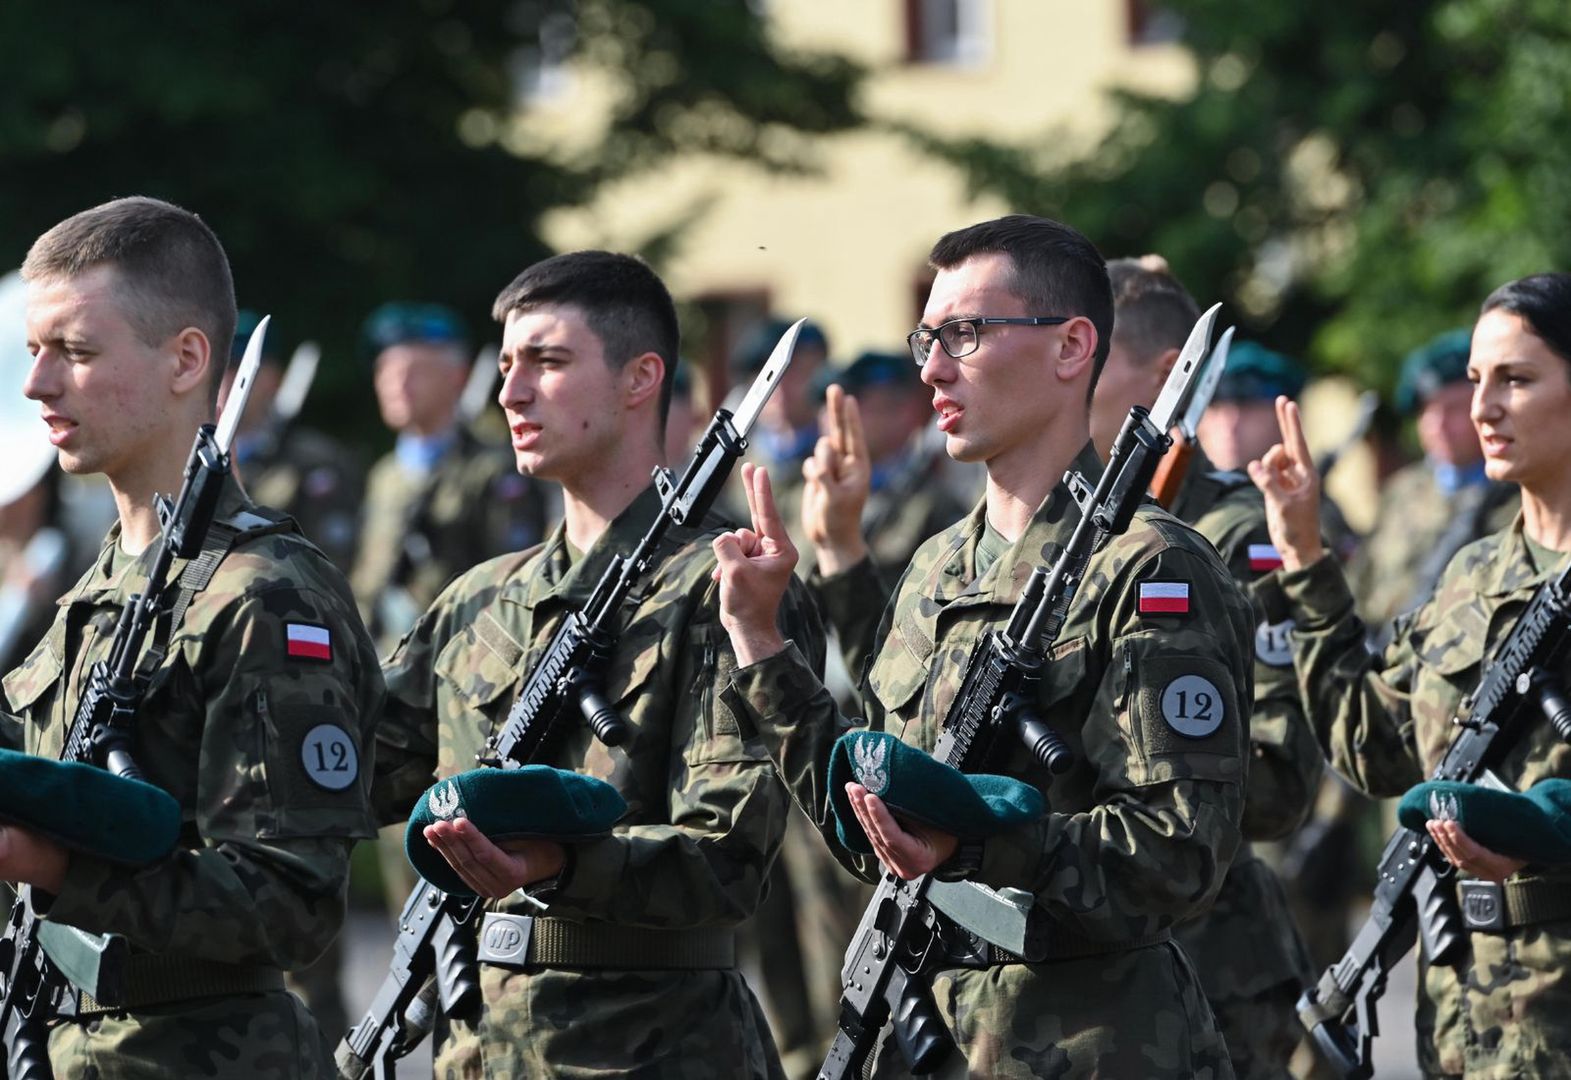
753, 567
1286, 476
837, 479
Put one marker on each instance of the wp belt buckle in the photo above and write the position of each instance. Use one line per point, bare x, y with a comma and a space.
504, 939
1483, 904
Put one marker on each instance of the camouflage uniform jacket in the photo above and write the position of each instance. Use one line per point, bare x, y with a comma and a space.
1385, 720
1246, 945
418, 531
1414, 517
314, 479
232, 727
1142, 827
705, 810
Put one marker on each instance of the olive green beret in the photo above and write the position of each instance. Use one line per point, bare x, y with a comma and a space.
1440, 363
1256, 373
508, 804
1534, 824
88, 809
920, 788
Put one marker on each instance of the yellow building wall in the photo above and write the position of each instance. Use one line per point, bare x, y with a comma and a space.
847, 243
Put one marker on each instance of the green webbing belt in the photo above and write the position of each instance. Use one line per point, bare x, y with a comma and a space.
1537, 900
157, 980
563, 943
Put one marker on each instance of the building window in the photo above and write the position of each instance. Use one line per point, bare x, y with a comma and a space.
1151, 23
946, 31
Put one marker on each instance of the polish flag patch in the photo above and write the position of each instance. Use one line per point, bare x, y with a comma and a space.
1164, 598
1264, 557
306, 642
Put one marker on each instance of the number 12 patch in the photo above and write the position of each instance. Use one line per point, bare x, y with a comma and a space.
1192, 706
329, 757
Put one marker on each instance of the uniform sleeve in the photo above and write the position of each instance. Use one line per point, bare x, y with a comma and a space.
726, 809
280, 789
407, 737
1360, 701
853, 602
1164, 742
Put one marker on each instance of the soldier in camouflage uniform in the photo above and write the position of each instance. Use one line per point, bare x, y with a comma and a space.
1385, 718
590, 339
264, 747
1250, 958
1431, 509
1145, 823
312, 477
441, 501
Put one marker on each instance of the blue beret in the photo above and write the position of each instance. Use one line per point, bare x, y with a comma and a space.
88, 809
1256, 373
505, 804
917, 786
753, 349
1534, 824
398, 323
1441, 362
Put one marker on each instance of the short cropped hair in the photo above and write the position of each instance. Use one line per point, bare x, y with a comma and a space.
1543, 301
1153, 312
1057, 271
172, 272
624, 302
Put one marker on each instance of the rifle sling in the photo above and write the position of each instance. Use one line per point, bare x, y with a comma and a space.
523, 941
158, 980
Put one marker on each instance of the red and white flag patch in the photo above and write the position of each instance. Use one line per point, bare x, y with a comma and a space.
1164, 598
1264, 558
306, 642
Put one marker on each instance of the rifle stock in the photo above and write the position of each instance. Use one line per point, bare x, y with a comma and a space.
1170, 473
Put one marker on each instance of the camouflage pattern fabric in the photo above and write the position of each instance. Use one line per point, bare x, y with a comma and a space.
1413, 516
1141, 829
706, 811
314, 479
1385, 720
231, 727
1246, 947
420, 530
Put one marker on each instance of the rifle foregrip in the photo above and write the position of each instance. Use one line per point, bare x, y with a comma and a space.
1440, 926
457, 972
919, 1031
601, 716
1045, 744
1552, 700
27, 1056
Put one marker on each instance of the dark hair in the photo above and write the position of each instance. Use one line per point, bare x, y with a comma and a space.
1057, 271
1152, 311
1544, 303
172, 271
625, 303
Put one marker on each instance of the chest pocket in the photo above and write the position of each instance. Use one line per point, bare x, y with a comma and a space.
900, 671
38, 674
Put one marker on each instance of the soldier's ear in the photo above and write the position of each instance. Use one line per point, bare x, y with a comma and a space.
1076, 349
643, 375
189, 358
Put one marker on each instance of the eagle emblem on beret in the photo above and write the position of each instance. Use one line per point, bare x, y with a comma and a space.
445, 802
867, 762
1442, 806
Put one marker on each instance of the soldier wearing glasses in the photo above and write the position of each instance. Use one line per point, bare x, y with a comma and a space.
1140, 831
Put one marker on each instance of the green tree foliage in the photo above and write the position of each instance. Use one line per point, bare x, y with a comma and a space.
1351, 177
349, 152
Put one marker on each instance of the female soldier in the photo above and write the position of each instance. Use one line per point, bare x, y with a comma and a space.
1384, 718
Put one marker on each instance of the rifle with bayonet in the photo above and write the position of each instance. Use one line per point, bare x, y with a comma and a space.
1174, 467
890, 959
33, 990
434, 964
1416, 897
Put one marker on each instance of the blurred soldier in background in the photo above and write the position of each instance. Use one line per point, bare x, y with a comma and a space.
1434, 507
1251, 960
440, 502
313, 478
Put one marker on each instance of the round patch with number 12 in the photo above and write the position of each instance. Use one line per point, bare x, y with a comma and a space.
329, 757
1192, 706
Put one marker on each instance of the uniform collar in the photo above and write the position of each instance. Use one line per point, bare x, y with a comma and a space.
1514, 569
954, 578
554, 577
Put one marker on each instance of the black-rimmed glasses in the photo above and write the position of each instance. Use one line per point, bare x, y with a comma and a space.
961, 337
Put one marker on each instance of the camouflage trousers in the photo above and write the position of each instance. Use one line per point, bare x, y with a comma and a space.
1262, 1032
577, 1025
1139, 1013
257, 1036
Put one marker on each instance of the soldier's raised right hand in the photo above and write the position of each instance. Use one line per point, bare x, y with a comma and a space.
1286, 476
837, 479
754, 569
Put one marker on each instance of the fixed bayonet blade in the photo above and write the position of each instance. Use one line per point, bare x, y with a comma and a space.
296, 383
1201, 398
1179, 381
746, 414
240, 388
